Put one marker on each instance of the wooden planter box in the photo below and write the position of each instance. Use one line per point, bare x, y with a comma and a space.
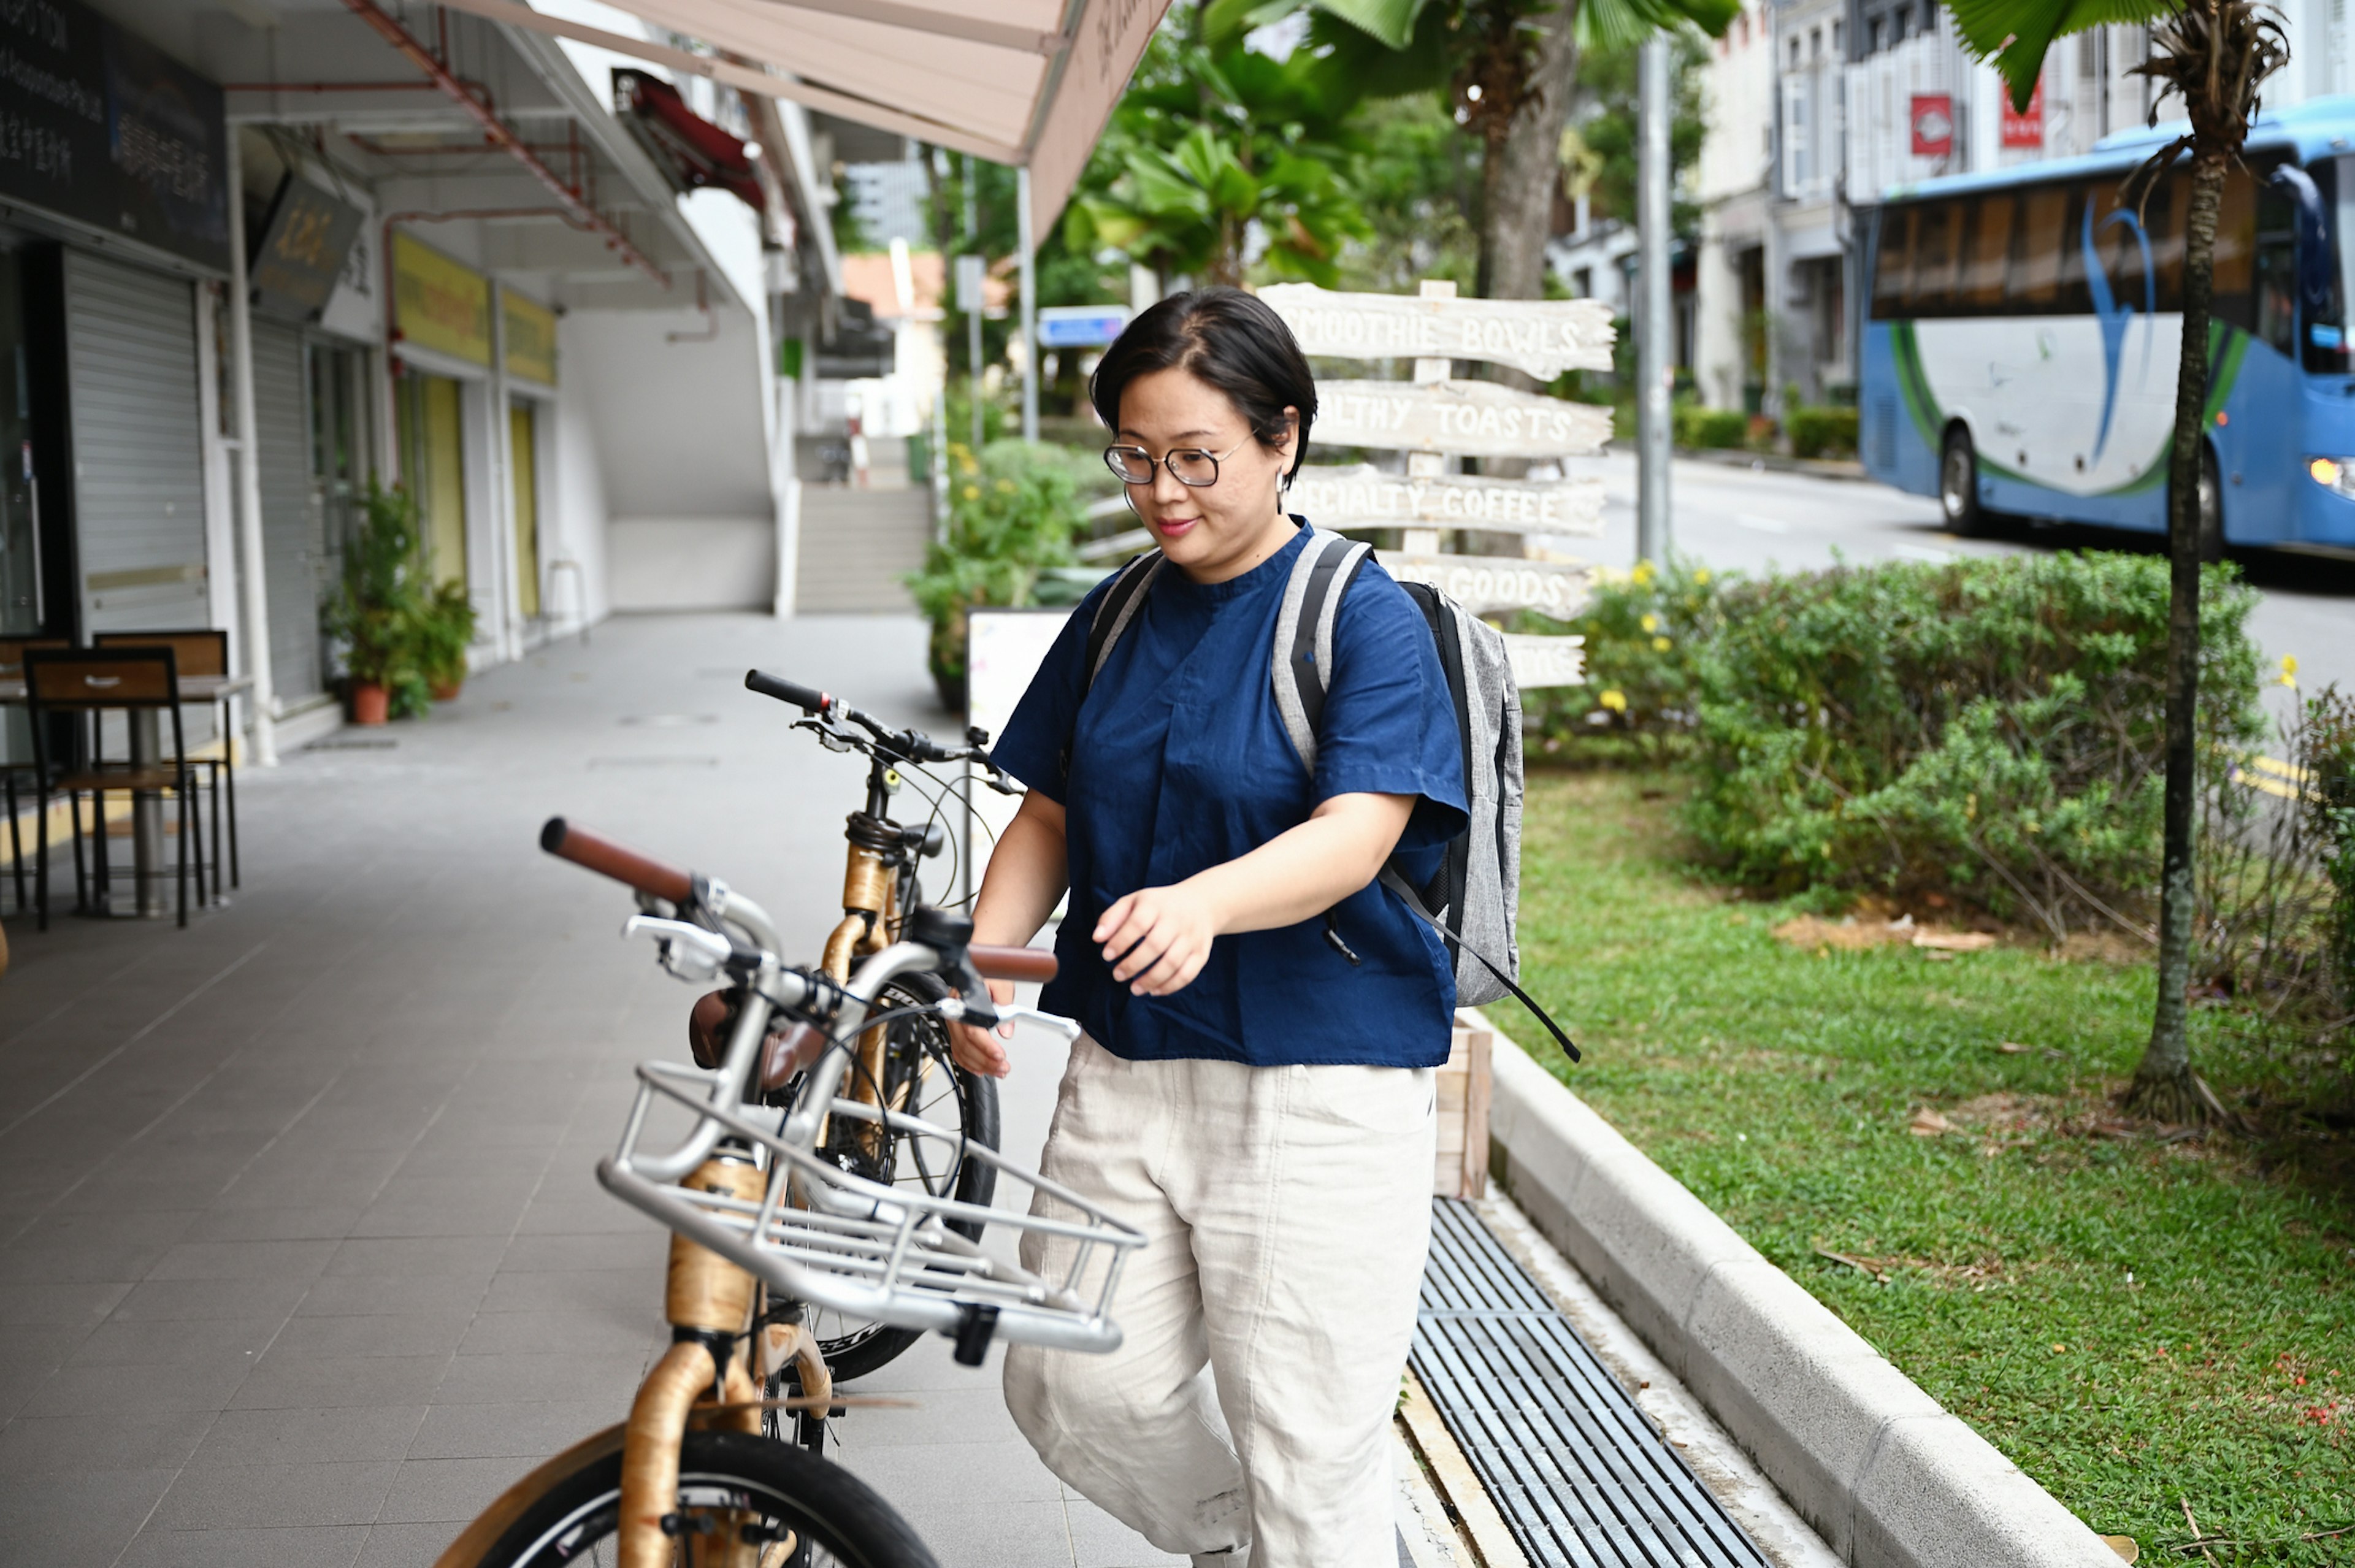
1463, 1085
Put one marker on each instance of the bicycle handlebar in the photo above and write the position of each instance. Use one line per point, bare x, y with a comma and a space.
1012, 962
608, 859
802, 696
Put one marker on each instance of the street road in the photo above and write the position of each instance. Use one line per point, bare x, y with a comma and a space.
1733, 519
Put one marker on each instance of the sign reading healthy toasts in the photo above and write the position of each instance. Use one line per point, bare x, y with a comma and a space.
1434, 417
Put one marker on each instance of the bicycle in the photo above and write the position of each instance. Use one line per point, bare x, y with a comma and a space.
766, 1225
904, 1066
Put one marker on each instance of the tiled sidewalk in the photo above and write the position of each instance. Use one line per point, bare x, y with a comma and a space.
302, 1256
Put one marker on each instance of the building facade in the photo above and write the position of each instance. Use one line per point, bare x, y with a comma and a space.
257, 258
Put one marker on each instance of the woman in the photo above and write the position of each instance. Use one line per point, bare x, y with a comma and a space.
1256, 1102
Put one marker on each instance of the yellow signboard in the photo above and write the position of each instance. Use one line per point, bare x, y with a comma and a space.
438, 303
530, 329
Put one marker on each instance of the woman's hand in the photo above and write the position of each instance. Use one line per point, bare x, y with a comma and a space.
977, 1049
1157, 939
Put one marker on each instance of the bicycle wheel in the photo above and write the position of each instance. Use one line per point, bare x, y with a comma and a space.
801, 1511
921, 1080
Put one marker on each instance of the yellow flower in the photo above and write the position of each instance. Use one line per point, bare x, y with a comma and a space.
1650, 623
1642, 575
1659, 645
973, 492
1701, 575
2289, 669
1614, 700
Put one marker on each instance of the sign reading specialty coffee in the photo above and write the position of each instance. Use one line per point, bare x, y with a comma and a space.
98, 126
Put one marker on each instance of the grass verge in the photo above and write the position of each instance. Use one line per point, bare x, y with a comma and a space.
2136, 1319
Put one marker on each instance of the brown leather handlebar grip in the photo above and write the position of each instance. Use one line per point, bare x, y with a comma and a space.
1012, 962
609, 858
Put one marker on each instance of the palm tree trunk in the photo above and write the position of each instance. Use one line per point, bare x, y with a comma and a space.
2165, 1088
1521, 177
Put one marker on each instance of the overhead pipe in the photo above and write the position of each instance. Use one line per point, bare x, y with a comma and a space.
583, 215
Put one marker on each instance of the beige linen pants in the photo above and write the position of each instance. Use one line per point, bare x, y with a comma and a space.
1288, 1210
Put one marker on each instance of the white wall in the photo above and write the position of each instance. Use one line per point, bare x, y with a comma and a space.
574, 517
692, 563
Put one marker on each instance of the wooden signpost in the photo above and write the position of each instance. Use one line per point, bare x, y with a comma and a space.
1433, 418
1544, 337
1363, 497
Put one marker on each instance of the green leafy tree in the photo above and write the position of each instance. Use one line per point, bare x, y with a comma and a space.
2212, 57
1211, 146
1505, 67
1606, 78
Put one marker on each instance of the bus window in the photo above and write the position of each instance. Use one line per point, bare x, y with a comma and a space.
1934, 257
2230, 296
2036, 275
1892, 268
2327, 349
2120, 233
2072, 297
2162, 219
1987, 254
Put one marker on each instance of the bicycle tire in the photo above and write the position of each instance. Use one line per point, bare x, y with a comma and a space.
569, 1513
858, 1351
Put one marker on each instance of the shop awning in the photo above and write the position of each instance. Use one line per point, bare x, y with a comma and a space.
1026, 82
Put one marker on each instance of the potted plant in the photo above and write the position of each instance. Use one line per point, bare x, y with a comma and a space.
445, 629
375, 610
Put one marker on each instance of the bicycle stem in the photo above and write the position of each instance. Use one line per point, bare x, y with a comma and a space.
826, 1076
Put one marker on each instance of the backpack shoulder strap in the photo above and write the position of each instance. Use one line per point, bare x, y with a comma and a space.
1407, 895
1118, 607
1303, 654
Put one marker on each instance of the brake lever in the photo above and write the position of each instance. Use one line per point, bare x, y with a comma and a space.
693, 953
990, 1015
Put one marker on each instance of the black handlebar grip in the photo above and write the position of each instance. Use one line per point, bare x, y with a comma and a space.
801, 697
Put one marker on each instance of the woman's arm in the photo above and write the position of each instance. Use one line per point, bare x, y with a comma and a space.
1027, 875
1158, 938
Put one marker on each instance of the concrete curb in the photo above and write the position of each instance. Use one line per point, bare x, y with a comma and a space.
1775, 462
1882, 1472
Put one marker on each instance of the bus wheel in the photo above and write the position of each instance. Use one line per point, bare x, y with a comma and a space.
1958, 484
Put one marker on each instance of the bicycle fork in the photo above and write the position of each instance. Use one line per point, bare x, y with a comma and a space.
709, 1301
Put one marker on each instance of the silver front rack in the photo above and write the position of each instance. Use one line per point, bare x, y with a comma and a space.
824, 1235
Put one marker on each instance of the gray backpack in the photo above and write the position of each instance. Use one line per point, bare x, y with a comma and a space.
1472, 900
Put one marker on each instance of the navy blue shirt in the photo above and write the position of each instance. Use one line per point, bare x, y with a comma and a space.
1179, 761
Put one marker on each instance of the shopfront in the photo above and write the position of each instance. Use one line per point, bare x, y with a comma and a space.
528, 355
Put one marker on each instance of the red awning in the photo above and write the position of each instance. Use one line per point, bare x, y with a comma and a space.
694, 151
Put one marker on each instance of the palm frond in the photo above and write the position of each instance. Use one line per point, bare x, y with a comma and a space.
1613, 24
2014, 35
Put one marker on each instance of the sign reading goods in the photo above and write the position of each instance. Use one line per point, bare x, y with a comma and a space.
438, 304
1486, 584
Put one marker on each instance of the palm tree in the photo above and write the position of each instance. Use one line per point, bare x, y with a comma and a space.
2214, 56
1507, 65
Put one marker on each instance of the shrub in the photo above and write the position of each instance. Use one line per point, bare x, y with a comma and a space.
1695, 426
1822, 431
1992, 727
2276, 916
1012, 512
1644, 630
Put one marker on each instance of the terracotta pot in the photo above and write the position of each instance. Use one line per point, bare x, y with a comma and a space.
446, 690
371, 704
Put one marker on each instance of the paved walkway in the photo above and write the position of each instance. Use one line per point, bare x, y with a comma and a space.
302, 1256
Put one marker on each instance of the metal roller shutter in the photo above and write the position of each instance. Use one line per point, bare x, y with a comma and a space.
139, 487
293, 545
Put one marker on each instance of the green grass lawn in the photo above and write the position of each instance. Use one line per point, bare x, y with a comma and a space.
2132, 1320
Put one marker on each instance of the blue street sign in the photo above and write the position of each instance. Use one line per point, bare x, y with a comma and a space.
1081, 325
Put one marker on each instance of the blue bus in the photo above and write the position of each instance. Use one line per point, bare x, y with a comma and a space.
2023, 327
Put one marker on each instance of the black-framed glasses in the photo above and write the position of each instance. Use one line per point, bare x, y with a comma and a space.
1189, 465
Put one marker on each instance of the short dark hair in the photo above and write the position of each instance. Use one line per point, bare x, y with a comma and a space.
1229, 338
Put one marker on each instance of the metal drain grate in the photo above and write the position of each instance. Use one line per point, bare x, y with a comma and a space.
1580, 1474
